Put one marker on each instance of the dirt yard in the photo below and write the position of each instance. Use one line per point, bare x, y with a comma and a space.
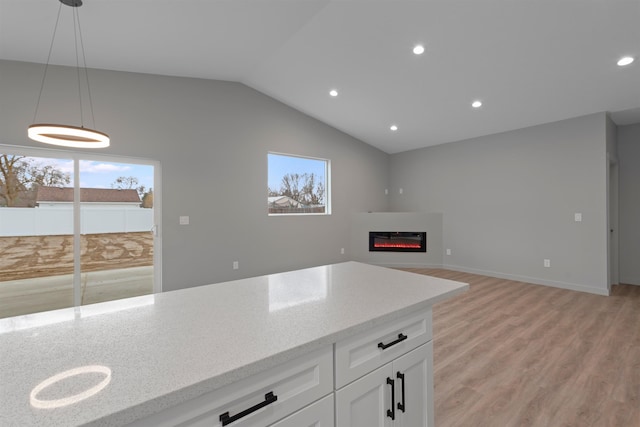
41, 256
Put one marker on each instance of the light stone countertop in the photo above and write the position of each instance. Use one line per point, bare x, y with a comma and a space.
167, 348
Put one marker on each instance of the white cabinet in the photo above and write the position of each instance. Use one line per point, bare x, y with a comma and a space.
318, 414
396, 394
414, 387
364, 403
256, 401
367, 351
383, 378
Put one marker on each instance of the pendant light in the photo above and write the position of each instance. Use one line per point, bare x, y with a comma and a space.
67, 135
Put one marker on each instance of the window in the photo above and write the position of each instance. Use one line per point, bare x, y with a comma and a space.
298, 185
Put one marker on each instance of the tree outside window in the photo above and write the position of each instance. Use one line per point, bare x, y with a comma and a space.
297, 185
20, 177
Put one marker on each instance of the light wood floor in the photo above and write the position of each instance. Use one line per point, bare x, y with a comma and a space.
514, 354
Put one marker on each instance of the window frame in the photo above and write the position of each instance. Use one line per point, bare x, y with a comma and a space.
327, 185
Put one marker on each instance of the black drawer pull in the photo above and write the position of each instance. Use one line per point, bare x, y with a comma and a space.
401, 406
269, 398
391, 413
401, 337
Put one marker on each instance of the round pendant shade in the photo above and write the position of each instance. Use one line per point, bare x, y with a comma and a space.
68, 136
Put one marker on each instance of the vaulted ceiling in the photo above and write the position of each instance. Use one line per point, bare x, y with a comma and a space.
527, 61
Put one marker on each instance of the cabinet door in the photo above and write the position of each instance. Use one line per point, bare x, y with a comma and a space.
364, 402
414, 404
319, 414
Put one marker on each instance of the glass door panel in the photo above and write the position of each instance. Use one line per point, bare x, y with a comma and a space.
116, 230
36, 234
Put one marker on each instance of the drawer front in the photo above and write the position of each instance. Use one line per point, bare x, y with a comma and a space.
256, 401
319, 414
363, 353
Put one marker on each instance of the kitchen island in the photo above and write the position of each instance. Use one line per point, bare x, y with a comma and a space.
177, 357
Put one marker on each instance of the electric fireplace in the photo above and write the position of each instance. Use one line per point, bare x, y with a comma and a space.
397, 241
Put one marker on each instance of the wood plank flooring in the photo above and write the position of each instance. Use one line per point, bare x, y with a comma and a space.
509, 353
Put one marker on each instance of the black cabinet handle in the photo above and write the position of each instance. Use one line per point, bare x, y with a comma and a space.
391, 413
401, 337
401, 377
269, 398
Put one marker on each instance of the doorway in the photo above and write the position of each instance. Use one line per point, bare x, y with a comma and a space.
76, 229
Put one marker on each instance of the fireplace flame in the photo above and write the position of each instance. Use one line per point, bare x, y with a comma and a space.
396, 245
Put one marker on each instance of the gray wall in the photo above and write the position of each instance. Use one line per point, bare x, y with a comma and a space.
508, 201
629, 216
212, 139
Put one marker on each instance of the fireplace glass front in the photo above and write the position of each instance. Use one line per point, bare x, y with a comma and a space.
397, 241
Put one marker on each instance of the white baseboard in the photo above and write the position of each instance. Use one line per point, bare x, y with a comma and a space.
533, 280
630, 281
526, 279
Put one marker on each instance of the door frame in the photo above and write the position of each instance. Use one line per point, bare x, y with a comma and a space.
613, 267
76, 156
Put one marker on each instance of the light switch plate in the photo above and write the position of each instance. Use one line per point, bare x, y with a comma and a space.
577, 217
184, 220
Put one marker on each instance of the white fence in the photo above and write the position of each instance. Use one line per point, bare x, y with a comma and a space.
44, 221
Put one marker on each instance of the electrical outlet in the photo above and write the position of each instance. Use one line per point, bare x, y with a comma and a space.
342, 251
448, 251
236, 265
184, 220
401, 191
547, 263
577, 217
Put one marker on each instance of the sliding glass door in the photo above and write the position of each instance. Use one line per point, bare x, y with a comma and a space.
36, 243
116, 230
75, 229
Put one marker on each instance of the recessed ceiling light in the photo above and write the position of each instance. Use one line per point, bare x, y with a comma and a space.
418, 49
476, 104
626, 60
393, 128
333, 92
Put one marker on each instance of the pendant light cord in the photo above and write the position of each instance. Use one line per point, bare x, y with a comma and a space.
77, 37
86, 73
46, 67
75, 45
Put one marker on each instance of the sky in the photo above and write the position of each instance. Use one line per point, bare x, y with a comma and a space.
280, 165
99, 174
